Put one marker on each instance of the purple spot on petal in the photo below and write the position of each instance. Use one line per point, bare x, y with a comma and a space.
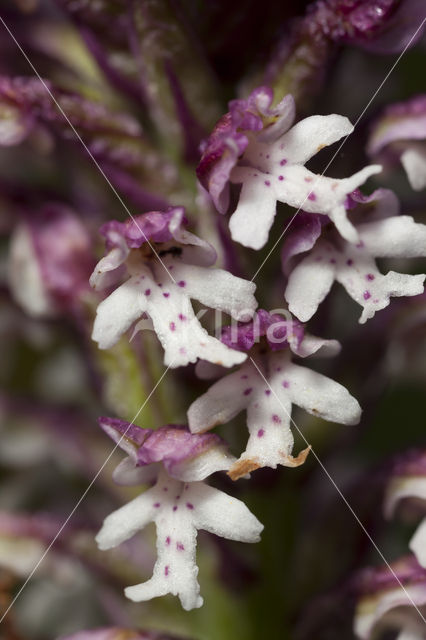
182, 318
260, 433
366, 295
278, 369
349, 262
312, 196
156, 505
179, 546
166, 571
276, 419
280, 177
375, 301
182, 350
247, 391
168, 540
147, 292
160, 284
359, 245
165, 488
166, 295
332, 261
267, 392
244, 377
189, 505
172, 326
181, 283
369, 276
268, 184
286, 384
283, 162
175, 508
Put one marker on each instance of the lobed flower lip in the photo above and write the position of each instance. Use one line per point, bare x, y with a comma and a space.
230, 137
243, 336
172, 445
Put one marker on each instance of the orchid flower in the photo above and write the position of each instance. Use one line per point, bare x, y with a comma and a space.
179, 503
162, 282
384, 606
384, 234
408, 482
50, 261
400, 133
258, 147
266, 387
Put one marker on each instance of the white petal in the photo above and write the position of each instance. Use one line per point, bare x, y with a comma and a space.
403, 487
372, 608
195, 250
301, 188
126, 521
418, 544
309, 136
107, 270
414, 162
312, 345
127, 474
180, 332
202, 466
117, 313
218, 289
395, 237
251, 221
310, 281
321, 396
223, 515
25, 278
223, 401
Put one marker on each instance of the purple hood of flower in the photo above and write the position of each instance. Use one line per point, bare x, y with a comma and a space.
410, 463
229, 138
244, 335
153, 226
373, 580
116, 633
172, 445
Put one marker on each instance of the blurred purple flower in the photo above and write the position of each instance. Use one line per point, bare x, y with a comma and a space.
400, 134
51, 258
